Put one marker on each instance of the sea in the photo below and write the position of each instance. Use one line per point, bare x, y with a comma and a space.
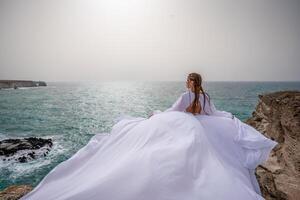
70, 113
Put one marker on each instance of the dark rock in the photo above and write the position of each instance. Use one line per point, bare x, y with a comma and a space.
15, 192
31, 154
22, 159
24, 149
277, 116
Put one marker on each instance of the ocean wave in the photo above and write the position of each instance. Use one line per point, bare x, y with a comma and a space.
12, 169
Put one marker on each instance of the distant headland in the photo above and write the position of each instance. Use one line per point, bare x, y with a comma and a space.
4, 84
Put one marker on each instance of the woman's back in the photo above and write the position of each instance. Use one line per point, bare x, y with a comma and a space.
185, 101
207, 107
203, 106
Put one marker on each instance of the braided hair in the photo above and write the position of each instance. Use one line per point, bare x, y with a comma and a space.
195, 107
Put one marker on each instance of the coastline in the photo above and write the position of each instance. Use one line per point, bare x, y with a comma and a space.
5, 84
273, 102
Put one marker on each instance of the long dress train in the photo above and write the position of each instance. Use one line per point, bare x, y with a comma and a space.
173, 155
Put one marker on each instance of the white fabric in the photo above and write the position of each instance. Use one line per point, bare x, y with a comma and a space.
173, 155
208, 107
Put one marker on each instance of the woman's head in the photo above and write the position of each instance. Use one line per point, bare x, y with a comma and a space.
194, 83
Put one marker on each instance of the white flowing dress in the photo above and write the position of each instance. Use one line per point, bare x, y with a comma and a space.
173, 155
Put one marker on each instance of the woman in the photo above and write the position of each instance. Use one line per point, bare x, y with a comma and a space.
190, 151
195, 91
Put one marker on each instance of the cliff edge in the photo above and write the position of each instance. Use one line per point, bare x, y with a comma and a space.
277, 115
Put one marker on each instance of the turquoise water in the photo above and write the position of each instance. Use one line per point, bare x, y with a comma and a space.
70, 113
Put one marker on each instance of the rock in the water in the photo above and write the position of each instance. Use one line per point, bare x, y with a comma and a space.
15, 192
277, 116
24, 149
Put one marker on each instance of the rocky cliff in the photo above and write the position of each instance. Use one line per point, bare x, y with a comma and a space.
277, 115
20, 83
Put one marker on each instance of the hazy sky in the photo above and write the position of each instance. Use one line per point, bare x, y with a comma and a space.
70, 40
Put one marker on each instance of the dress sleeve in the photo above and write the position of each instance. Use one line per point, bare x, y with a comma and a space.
179, 105
220, 113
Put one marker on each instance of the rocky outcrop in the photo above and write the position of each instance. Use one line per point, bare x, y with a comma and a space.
24, 149
40, 83
20, 83
15, 192
277, 116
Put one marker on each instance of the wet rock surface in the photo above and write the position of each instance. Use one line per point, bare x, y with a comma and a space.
24, 149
